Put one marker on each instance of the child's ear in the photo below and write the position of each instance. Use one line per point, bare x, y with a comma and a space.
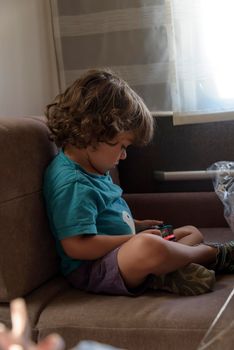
93, 147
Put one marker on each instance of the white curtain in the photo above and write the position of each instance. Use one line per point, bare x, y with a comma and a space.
203, 38
27, 60
177, 54
130, 36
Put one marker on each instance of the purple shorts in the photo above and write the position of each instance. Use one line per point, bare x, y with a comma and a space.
103, 276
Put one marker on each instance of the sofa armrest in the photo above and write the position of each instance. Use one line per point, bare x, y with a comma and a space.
201, 209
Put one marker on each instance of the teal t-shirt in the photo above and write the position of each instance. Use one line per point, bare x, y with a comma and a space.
81, 203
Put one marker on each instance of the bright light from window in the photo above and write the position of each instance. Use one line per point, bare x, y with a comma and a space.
218, 39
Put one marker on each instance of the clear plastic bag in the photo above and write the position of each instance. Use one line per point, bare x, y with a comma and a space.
223, 181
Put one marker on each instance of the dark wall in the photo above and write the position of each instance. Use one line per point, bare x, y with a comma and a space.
184, 147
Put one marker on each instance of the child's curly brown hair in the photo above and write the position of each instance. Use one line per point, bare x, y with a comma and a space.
95, 108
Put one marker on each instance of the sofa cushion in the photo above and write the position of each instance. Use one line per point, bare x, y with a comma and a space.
152, 321
36, 302
27, 251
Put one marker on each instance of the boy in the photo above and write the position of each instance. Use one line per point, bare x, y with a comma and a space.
93, 122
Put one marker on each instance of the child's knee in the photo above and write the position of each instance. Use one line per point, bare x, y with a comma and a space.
188, 235
150, 250
195, 232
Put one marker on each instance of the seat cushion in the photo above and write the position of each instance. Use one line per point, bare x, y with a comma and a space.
154, 320
36, 302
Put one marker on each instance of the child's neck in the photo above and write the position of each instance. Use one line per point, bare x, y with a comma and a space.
80, 156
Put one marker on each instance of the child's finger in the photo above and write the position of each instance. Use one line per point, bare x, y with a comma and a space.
156, 232
153, 222
153, 231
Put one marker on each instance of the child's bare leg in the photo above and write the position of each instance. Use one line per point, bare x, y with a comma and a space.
146, 254
188, 235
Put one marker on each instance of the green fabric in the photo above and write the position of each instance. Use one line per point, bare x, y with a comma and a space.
193, 279
225, 257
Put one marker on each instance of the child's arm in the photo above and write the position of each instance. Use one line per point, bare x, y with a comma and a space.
91, 247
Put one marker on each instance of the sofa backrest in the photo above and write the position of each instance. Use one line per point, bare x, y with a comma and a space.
27, 250
177, 148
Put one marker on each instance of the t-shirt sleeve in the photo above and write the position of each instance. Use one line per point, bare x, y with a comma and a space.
74, 210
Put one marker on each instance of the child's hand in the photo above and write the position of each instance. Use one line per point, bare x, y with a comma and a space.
152, 231
142, 225
19, 336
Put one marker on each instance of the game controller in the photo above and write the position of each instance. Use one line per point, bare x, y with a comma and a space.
166, 231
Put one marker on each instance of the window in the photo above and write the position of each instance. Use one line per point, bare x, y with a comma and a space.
203, 32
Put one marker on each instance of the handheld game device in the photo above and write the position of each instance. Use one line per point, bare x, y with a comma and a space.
166, 231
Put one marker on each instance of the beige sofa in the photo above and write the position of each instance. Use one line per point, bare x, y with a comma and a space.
29, 263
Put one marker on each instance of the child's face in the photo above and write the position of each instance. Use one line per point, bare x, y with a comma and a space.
107, 155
